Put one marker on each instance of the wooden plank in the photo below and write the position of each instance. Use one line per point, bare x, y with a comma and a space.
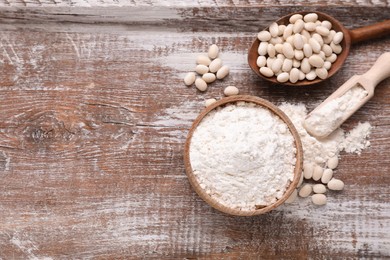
92, 126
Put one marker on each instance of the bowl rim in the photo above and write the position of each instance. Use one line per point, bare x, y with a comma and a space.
297, 169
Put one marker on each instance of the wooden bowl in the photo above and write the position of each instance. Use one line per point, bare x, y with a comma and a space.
336, 25
210, 200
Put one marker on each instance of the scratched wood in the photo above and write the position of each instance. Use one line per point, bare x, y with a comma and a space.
94, 116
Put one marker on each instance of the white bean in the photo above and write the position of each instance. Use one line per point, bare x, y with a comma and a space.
280, 56
264, 36
276, 40
338, 37
274, 29
209, 77
336, 48
203, 60
315, 46
319, 188
209, 102
332, 58
327, 176
201, 84
319, 199
327, 50
306, 35
201, 69
189, 79
296, 63
322, 55
224, 70
279, 48
213, 51
271, 50
327, 65
262, 50
270, 61
287, 65
231, 91
294, 75
292, 197
310, 26
298, 54
298, 41
311, 17
283, 77
328, 39
215, 65
322, 73
298, 26
316, 61
307, 50
282, 27
288, 31
333, 162
335, 184
308, 169
295, 17
317, 174
266, 71
311, 75
318, 38
305, 66
322, 30
326, 24
290, 40
288, 51
302, 75
277, 65
305, 191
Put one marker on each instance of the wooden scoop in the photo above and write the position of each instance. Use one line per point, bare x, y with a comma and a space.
346, 100
350, 37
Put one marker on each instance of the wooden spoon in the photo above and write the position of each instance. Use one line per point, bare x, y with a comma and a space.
350, 36
212, 201
323, 120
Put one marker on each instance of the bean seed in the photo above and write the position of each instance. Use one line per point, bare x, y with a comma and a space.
201, 84
224, 70
305, 191
322, 73
319, 199
318, 38
315, 46
231, 91
328, 39
298, 54
307, 50
290, 40
213, 51
310, 26
271, 50
302, 75
277, 65
209, 77
270, 61
306, 35
316, 61
279, 48
333, 162
317, 174
292, 197
311, 75
189, 79
278, 73
296, 63
288, 31
305, 66
209, 101
327, 50
332, 58
298, 26
336, 48
262, 50
266, 71
298, 41
280, 56
338, 37
264, 36
283, 77
274, 29
288, 51
335, 184
287, 65
215, 65
276, 40
308, 169
326, 24
327, 176
295, 17
201, 69
294, 75
311, 17
322, 55
322, 30
327, 65
203, 60
282, 27
319, 188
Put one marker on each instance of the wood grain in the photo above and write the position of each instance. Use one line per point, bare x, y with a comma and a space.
94, 116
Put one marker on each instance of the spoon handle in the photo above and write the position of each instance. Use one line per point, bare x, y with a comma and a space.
378, 72
370, 32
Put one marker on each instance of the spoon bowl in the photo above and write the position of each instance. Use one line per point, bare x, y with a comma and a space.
357, 35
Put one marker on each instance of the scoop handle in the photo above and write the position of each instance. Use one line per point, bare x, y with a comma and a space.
378, 72
370, 32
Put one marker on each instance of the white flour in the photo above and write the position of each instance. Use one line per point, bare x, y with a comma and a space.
243, 156
330, 116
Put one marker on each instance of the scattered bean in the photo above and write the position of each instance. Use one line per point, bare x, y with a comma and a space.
317, 173
231, 91
308, 169
189, 79
224, 70
319, 188
209, 77
333, 162
201, 84
319, 199
213, 51
305, 191
335, 184
209, 102
203, 60
326, 176
201, 69
215, 65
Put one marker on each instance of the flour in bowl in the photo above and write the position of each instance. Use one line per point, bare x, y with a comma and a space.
243, 156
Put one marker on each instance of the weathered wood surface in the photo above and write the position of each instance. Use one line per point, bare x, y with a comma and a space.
93, 122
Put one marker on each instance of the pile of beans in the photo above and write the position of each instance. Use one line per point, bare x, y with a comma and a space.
304, 49
323, 179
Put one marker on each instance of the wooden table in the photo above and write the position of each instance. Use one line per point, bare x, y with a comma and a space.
94, 116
